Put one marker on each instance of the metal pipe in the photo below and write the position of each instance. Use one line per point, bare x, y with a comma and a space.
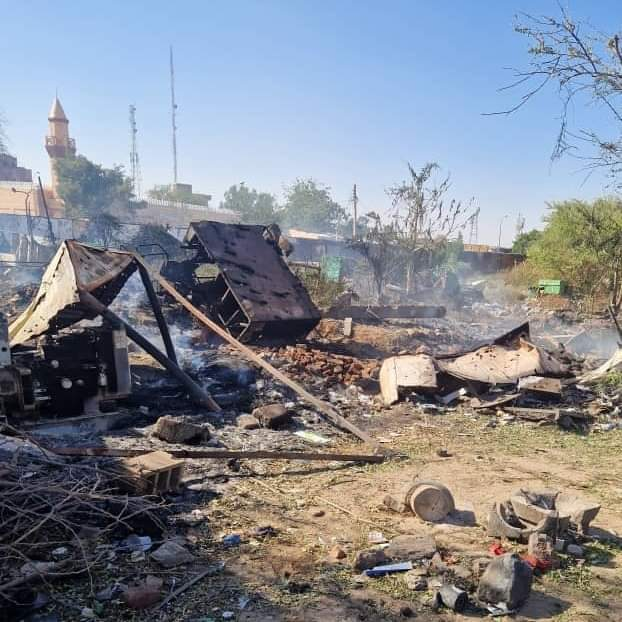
157, 311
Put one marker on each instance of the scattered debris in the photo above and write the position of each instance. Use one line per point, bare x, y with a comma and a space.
153, 473
272, 416
452, 597
171, 554
381, 571
417, 372
177, 430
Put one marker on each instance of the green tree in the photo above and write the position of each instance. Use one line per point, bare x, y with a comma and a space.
101, 195
254, 208
310, 207
169, 193
524, 240
582, 244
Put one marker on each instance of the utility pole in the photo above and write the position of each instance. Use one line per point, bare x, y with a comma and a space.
173, 116
134, 162
500, 226
355, 201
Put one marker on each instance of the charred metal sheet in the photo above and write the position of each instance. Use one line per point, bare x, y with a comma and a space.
502, 364
57, 303
254, 294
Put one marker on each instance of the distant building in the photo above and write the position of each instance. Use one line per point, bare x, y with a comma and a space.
9, 171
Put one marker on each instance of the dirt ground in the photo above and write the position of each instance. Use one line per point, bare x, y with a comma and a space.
288, 574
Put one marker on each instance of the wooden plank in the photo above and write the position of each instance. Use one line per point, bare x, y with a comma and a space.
218, 454
320, 405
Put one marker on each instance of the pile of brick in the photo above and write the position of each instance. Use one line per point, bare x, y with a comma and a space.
333, 367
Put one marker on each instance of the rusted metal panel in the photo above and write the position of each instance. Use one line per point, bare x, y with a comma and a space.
502, 364
255, 294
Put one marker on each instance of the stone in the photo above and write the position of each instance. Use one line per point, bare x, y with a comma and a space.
176, 430
317, 513
414, 581
575, 550
172, 554
336, 554
394, 504
272, 415
413, 548
581, 511
437, 565
461, 573
368, 558
541, 546
506, 580
406, 611
141, 596
247, 422
479, 566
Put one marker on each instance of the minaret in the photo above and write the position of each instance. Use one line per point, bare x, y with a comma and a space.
57, 142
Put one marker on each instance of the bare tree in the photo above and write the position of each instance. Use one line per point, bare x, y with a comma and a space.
583, 65
421, 222
423, 215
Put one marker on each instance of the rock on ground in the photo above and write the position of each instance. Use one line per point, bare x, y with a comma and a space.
507, 579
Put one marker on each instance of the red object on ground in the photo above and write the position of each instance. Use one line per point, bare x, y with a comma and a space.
496, 549
537, 564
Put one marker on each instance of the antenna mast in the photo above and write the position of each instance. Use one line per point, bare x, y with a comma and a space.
173, 116
134, 162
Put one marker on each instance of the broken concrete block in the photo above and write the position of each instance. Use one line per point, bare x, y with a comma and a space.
395, 504
175, 430
541, 546
430, 500
247, 422
506, 580
272, 415
369, 558
411, 548
416, 372
503, 523
172, 554
534, 507
153, 473
581, 511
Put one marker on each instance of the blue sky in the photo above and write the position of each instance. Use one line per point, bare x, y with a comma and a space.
342, 91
